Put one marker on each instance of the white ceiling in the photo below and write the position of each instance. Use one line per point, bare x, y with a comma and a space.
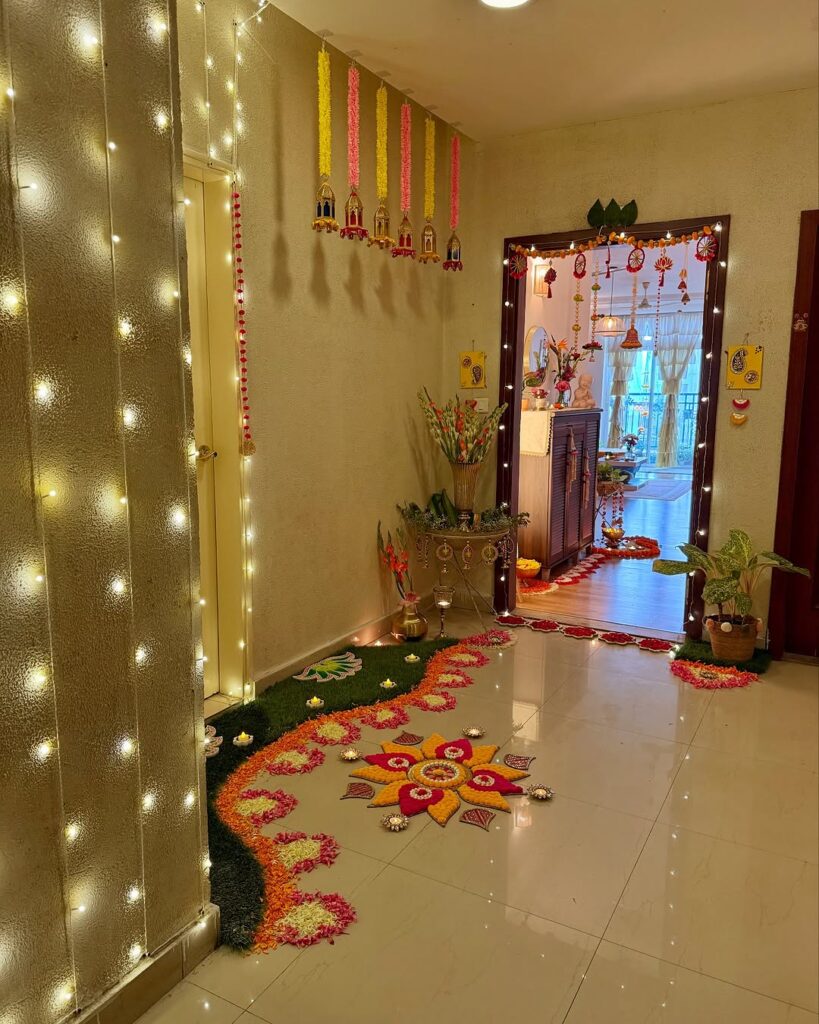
554, 62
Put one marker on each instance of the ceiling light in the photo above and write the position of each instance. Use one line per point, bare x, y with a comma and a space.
504, 3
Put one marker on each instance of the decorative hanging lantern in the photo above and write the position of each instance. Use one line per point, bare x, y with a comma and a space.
549, 279
632, 338
611, 326
380, 236
453, 246
405, 245
325, 218
593, 345
429, 242
353, 208
579, 271
685, 298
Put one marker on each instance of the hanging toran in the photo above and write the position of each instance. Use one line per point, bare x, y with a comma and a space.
593, 345
325, 218
248, 444
429, 242
549, 279
353, 208
634, 264
661, 265
453, 246
405, 245
381, 220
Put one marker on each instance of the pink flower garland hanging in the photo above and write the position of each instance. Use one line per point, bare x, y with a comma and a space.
405, 245
453, 246
353, 208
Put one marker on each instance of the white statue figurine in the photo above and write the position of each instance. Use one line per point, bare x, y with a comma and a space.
583, 397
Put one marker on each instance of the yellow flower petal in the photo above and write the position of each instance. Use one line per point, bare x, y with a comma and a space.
513, 774
444, 809
431, 744
375, 773
388, 795
396, 748
482, 755
483, 798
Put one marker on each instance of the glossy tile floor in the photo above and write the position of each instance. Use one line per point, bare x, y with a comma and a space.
672, 879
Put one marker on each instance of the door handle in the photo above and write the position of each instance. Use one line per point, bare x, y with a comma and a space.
205, 452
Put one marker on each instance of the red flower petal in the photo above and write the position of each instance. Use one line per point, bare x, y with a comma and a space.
488, 781
413, 798
455, 750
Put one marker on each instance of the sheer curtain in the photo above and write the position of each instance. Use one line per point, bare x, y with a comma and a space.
622, 363
680, 335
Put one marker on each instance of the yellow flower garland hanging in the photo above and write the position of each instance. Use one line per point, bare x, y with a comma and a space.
325, 218
429, 242
381, 221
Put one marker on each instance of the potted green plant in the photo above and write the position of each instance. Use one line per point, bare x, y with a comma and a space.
732, 576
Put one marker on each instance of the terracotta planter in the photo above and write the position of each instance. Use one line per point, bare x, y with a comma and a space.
736, 646
465, 478
409, 623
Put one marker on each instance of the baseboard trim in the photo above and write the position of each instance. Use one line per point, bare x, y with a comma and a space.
156, 975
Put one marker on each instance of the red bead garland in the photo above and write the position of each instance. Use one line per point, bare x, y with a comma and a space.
248, 445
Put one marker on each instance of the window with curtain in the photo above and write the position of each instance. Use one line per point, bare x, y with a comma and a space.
656, 396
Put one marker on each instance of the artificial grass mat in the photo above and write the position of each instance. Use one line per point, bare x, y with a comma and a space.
700, 650
236, 880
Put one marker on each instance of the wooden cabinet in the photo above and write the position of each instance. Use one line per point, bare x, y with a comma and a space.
558, 486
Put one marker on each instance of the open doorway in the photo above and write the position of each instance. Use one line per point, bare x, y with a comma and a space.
639, 417
221, 465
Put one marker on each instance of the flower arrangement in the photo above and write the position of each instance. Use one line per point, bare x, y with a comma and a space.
630, 441
565, 369
463, 435
395, 556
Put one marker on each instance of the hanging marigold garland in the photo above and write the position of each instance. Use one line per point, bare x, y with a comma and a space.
429, 241
380, 235
325, 218
405, 245
248, 444
453, 246
704, 237
353, 208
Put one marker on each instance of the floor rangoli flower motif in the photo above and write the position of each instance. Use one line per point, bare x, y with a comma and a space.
439, 776
338, 666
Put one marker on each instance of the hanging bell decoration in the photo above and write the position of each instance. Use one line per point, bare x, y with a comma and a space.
325, 218
632, 338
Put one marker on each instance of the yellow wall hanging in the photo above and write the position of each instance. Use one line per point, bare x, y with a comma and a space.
381, 221
744, 370
473, 369
429, 243
325, 218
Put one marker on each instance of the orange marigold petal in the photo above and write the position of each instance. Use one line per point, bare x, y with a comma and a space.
444, 809
431, 744
397, 748
483, 798
374, 773
388, 795
482, 755
513, 774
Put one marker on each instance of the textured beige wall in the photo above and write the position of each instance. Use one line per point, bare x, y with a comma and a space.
341, 335
753, 159
99, 650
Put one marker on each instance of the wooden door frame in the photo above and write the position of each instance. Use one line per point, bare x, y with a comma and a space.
803, 299
513, 299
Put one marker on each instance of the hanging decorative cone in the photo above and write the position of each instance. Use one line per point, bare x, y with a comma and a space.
354, 218
550, 277
325, 218
632, 339
405, 246
380, 236
453, 253
429, 245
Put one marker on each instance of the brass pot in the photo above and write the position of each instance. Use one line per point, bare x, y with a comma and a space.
612, 535
465, 478
409, 623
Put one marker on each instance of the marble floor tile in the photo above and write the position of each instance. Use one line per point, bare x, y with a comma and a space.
776, 719
732, 912
771, 806
623, 771
624, 987
665, 708
189, 1004
564, 860
431, 952
629, 661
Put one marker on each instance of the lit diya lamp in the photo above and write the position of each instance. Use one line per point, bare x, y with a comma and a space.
350, 754
388, 684
395, 822
474, 732
411, 659
314, 703
244, 739
540, 792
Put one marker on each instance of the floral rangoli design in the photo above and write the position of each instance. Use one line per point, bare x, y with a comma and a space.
438, 776
338, 666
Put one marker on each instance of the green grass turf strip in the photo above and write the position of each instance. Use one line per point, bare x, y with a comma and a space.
236, 880
699, 650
